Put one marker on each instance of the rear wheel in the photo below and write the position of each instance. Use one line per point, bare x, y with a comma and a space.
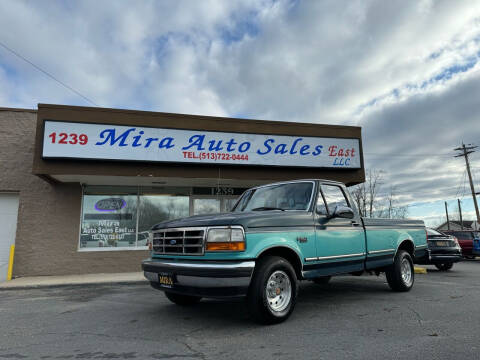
183, 300
444, 267
322, 280
400, 276
273, 290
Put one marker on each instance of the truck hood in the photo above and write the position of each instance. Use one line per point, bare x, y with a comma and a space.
249, 220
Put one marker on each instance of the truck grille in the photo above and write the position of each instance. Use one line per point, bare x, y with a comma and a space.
181, 241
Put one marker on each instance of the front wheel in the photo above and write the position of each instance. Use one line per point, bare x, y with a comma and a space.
273, 290
400, 276
182, 300
444, 267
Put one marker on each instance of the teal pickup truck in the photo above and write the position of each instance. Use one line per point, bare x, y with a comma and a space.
275, 236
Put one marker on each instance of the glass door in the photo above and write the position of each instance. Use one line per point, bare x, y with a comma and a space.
202, 205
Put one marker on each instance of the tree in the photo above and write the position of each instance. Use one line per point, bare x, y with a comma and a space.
370, 201
365, 194
390, 208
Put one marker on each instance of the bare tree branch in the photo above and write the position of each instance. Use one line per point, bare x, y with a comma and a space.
371, 204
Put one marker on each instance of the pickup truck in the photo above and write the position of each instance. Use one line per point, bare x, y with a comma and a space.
275, 236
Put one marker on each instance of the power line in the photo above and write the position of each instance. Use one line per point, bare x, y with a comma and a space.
463, 179
47, 73
407, 155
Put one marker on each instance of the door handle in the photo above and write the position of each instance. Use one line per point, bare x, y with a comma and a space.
354, 223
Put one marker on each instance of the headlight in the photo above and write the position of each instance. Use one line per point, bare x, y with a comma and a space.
225, 239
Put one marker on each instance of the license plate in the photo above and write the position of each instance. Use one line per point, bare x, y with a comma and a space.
442, 243
165, 280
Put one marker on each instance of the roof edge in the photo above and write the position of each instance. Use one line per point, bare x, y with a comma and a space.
18, 109
209, 117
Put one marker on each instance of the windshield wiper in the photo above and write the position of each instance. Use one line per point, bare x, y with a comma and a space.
267, 208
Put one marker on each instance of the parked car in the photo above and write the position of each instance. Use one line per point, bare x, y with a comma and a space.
275, 236
476, 244
443, 251
465, 239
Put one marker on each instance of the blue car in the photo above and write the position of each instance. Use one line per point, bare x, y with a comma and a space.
476, 244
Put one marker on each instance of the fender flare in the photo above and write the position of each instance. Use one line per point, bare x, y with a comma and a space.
404, 242
288, 248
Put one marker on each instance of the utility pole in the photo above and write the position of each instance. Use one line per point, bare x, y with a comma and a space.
460, 212
465, 150
446, 212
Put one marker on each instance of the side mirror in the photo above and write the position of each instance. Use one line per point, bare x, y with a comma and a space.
343, 212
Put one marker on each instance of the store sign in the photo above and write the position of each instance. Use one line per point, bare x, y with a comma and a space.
110, 204
114, 142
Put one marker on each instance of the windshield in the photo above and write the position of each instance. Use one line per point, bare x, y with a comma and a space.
290, 196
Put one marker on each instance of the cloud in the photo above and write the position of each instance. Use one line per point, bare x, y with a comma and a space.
407, 72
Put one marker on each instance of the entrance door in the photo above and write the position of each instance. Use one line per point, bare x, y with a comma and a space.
202, 205
8, 228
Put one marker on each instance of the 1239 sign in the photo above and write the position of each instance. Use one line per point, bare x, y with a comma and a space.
64, 138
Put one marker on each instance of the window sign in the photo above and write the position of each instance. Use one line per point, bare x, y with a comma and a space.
134, 143
109, 221
114, 220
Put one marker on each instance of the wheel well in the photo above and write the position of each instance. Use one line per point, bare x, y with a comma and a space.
408, 246
287, 254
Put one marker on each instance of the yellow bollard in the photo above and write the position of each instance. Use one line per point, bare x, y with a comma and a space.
420, 270
10, 263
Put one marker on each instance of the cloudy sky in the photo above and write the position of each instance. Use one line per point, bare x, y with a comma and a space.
407, 72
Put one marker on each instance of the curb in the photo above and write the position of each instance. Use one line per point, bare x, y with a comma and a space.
419, 270
86, 284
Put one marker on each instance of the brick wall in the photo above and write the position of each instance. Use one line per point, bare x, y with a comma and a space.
49, 214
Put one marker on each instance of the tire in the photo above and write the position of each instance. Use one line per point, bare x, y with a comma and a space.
273, 290
182, 300
400, 276
470, 257
444, 267
323, 280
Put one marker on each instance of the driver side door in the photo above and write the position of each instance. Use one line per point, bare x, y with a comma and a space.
340, 242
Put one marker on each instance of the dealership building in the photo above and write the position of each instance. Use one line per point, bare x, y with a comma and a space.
80, 187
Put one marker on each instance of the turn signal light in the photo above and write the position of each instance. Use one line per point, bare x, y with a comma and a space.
225, 246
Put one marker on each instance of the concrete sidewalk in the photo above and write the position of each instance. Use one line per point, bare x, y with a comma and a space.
68, 280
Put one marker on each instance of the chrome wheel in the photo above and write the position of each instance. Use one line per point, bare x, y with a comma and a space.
406, 271
278, 291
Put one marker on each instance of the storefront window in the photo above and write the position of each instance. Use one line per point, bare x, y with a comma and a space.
228, 204
206, 206
157, 208
108, 221
120, 217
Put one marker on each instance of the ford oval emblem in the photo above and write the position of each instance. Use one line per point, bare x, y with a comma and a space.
173, 242
110, 204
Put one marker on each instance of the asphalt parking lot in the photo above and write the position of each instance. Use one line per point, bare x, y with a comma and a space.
351, 318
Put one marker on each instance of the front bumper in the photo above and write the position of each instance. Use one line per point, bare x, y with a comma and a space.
216, 279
